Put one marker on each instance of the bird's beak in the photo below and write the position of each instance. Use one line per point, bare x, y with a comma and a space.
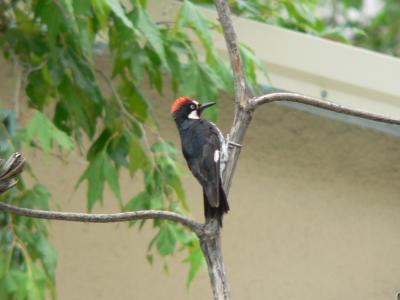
204, 106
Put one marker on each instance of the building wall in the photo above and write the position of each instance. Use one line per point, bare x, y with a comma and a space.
314, 215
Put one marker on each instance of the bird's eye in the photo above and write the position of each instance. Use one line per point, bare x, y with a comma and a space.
192, 106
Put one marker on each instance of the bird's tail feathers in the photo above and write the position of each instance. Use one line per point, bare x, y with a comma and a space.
216, 212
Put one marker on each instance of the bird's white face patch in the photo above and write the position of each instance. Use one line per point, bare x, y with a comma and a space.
194, 115
216, 155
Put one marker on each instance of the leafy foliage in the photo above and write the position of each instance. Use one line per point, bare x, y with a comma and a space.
299, 15
53, 43
380, 32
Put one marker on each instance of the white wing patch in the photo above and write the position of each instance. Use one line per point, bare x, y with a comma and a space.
194, 115
216, 155
220, 135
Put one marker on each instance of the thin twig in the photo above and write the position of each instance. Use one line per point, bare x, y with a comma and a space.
292, 97
195, 226
166, 23
17, 89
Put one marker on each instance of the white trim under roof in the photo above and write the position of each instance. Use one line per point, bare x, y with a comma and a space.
310, 65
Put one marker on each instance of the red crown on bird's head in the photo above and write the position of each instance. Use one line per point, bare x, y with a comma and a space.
179, 102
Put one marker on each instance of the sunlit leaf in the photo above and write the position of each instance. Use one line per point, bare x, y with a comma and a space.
42, 129
137, 157
48, 254
196, 261
166, 240
190, 16
151, 33
112, 178
118, 10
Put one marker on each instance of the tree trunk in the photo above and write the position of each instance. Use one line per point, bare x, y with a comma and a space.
210, 243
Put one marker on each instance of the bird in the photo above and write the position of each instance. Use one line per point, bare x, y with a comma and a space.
201, 143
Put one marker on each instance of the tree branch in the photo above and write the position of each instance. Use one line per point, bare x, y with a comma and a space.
195, 226
292, 97
241, 117
13, 166
224, 17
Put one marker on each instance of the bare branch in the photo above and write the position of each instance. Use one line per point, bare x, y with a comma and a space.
292, 97
224, 17
195, 226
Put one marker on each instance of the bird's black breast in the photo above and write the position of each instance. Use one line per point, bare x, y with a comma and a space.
195, 135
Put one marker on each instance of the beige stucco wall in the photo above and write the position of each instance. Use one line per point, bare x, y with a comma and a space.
314, 215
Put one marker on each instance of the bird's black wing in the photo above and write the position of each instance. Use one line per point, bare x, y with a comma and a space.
206, 166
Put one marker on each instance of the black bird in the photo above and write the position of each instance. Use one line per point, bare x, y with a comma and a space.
201, 146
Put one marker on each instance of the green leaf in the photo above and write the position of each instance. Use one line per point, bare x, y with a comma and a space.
111, 176
151, 33
82, 74
52, 16
175, 67
250, 64
37, 284
47, 134
86, 37
156, 202
80, 110
175, 182
224, 72
100, 170
165, 240
99, 144
14, 281
48, 256
294, 11
119, 11
101, 10
189, 15
137, 157
37, 197
196, 261
203, 85
38, 90
139, 202
118, 150
150, 258
95, 179
135, 101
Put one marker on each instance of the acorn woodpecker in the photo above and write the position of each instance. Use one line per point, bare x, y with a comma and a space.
201, 145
